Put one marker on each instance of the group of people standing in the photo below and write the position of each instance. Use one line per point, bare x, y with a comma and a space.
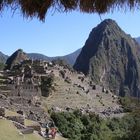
50, 131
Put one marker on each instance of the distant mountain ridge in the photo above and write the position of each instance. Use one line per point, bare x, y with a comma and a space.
111, 58
38, 56
138, 39
70, 58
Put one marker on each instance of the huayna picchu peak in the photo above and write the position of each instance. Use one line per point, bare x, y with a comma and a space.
111, 58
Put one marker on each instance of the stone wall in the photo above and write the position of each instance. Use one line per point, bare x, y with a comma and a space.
27, 90
27, 131
30, 90
19, 119
36, 127
18, 125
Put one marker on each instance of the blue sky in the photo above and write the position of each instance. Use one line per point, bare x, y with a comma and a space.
60, 34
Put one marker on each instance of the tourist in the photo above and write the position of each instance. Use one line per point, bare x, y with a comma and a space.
47, 130
53, 132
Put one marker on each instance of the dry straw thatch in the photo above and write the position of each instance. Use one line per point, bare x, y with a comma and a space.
39, 8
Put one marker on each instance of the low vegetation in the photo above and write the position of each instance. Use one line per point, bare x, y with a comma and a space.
76, 126
46, 85
9, 132
2, 65
130, 104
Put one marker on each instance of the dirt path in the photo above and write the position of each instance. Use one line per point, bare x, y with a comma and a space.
58, 137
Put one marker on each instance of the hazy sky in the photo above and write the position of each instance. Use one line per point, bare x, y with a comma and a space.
60, 34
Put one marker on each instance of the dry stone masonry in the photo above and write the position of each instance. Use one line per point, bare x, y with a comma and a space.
2, 112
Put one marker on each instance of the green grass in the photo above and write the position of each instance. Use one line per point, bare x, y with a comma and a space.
11, 113
9, 132
30, 122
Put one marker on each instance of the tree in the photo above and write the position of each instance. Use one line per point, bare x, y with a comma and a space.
39, 8
46, 85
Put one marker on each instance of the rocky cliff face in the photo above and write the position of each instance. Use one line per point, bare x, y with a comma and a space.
111, 58
16, 58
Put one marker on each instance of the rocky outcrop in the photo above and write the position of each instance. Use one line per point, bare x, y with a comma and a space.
111, 58
16, 58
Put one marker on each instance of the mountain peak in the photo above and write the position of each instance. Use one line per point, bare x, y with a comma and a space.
111, 58
19, 50
108, 21
107, 27
16, 58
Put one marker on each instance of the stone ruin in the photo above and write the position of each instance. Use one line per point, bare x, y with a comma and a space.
19, 119
2, 112
26, 82
35, 127
27, 131
19, 122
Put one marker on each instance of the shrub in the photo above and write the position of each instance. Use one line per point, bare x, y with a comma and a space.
46, 85
78, 126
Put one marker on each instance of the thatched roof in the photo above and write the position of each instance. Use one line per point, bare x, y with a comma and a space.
39, 8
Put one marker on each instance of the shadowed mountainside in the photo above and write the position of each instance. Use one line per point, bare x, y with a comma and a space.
16, 58
111, 58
